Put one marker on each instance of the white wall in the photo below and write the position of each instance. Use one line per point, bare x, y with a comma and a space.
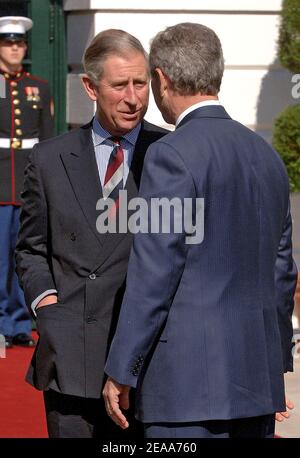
255, 88
177, 5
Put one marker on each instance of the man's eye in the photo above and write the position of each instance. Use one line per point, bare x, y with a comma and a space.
119, 86
140, 85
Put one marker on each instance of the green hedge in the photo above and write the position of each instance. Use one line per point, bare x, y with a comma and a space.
286, 140
289, 36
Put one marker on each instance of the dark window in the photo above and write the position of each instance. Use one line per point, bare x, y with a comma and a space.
14, 7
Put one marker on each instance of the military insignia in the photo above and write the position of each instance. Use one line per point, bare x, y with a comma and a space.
32, 94
29, 93
36, 96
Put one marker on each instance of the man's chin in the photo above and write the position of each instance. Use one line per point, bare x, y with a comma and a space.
128, 124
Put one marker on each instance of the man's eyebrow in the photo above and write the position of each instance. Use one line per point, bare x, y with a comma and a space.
126, 80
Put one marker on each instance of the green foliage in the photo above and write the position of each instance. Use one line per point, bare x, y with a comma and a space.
289, 36
286, 140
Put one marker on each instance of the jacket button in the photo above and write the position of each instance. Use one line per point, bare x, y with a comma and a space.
73, 236
92, 277
90, 319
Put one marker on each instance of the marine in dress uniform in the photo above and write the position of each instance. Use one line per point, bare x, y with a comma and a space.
25, 119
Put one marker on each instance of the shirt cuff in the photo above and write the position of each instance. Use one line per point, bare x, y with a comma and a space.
40, 297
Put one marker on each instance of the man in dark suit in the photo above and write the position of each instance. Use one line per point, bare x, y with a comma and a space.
205, 329
72, 275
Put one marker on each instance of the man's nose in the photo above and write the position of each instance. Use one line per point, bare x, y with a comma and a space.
130, 95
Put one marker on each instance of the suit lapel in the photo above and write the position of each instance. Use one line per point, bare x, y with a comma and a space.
81, 167
111, 240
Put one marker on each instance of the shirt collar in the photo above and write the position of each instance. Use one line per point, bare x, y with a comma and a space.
194, 107
100, 135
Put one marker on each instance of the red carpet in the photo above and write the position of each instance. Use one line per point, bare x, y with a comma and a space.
21, 406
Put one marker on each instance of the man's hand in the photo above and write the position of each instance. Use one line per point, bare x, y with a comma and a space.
51, 299
116, 397
281, 416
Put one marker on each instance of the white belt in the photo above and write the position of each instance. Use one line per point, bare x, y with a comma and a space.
27, 143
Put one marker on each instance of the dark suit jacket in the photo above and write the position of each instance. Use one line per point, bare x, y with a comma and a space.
205, 330
60, 248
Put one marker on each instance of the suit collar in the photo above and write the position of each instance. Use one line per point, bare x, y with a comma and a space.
194, 107
210, 111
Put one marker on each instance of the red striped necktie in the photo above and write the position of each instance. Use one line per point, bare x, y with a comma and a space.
113, 181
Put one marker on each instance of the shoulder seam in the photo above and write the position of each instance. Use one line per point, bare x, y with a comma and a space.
37, 78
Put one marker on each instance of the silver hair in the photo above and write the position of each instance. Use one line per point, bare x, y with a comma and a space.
191, 56
111, 42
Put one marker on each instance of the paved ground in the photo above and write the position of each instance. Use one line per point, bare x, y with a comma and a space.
291, 427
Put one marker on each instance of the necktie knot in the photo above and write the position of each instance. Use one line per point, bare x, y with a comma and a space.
116, 140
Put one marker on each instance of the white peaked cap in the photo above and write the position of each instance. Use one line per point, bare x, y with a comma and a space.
15, 25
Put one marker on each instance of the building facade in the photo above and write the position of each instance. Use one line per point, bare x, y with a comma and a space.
255, 87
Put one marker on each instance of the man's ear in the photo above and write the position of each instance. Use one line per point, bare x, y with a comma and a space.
89, 87
163, 81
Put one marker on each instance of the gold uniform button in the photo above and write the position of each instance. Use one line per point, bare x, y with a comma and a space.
35, 107
19, 132
6, 75
13, 83
15, 143
15, 92
16, 102
18, 111
17, 122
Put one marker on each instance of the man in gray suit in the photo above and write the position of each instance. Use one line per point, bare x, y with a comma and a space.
205, 331
72, 275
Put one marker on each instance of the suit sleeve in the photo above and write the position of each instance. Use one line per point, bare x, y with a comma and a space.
31, 253
46, 116
155, 268
285, 282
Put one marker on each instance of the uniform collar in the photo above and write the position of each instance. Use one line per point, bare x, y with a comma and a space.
14, 75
